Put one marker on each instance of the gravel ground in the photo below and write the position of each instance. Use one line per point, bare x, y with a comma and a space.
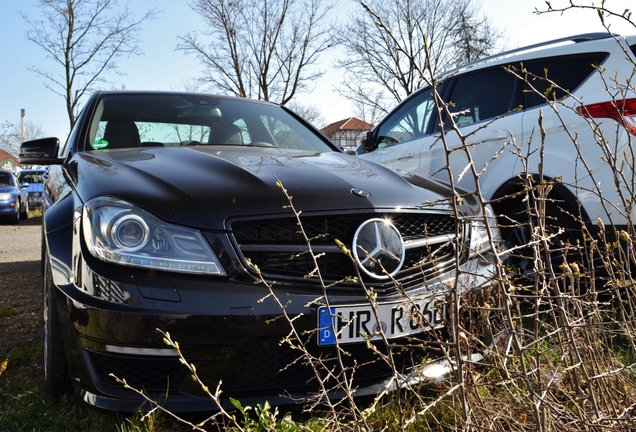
20, 243
20, 284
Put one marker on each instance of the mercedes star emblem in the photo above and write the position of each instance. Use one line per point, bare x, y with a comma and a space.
379, 249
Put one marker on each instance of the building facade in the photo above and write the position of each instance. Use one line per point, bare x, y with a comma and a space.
346, 133
8, 161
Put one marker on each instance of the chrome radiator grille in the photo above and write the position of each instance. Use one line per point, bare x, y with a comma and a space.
278, 248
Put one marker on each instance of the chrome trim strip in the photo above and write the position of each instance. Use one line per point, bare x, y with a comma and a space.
429, 241
159, 352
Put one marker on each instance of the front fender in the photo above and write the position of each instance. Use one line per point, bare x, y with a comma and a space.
59, 237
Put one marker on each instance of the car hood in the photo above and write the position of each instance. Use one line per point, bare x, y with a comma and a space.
202, 186
35, 187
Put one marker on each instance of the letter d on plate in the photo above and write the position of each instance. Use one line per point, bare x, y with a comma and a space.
326, 332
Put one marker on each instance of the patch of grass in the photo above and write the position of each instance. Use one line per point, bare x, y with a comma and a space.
26, 407
264, 417
8, 311
35, 213
21, 353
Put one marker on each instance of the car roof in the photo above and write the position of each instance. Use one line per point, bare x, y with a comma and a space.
133, 93
530, 51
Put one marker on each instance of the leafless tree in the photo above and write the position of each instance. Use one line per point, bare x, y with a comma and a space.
474, 36
11, 135
84, 38
389, 43
310, 113
5, 138
262, 49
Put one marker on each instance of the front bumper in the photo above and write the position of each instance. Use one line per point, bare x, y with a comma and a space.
8, 208
233, 332
35, 199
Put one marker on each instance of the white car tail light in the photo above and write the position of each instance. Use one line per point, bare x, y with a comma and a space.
623, 111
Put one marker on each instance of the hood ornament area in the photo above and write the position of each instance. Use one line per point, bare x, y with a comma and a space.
362, 193
379, 248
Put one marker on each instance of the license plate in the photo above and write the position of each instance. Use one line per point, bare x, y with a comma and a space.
358, 323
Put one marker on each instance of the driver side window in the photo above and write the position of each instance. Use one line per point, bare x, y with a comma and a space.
410, 122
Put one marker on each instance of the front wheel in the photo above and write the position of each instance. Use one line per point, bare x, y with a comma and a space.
523, 227
14, 219
56, 376
24, 211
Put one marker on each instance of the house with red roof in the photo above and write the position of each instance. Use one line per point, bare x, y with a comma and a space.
346, 133
8, 161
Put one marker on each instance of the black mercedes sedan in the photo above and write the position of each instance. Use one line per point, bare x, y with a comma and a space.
281, 265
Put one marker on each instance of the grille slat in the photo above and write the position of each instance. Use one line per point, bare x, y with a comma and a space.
277, 247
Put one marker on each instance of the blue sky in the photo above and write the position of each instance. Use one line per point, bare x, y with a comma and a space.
163, 68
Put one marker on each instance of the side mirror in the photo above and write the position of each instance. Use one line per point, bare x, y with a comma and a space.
24, 185
41, 151
366, 141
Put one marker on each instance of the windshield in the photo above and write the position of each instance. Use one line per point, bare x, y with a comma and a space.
155, 120
5, 179
30, 176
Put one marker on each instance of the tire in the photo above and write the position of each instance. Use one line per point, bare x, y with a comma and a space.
14, 219
24, 211
516, 226
56, 377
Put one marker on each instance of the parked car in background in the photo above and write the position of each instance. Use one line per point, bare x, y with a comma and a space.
34, 177
496, 104
14, 203
165, 210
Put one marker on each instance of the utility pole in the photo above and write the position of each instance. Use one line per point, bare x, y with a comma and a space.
23, 124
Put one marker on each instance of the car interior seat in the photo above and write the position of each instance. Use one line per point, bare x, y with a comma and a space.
225, 133
122, 134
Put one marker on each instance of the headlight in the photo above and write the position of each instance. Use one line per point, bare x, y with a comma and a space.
121, 233
5, 196
482, 229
